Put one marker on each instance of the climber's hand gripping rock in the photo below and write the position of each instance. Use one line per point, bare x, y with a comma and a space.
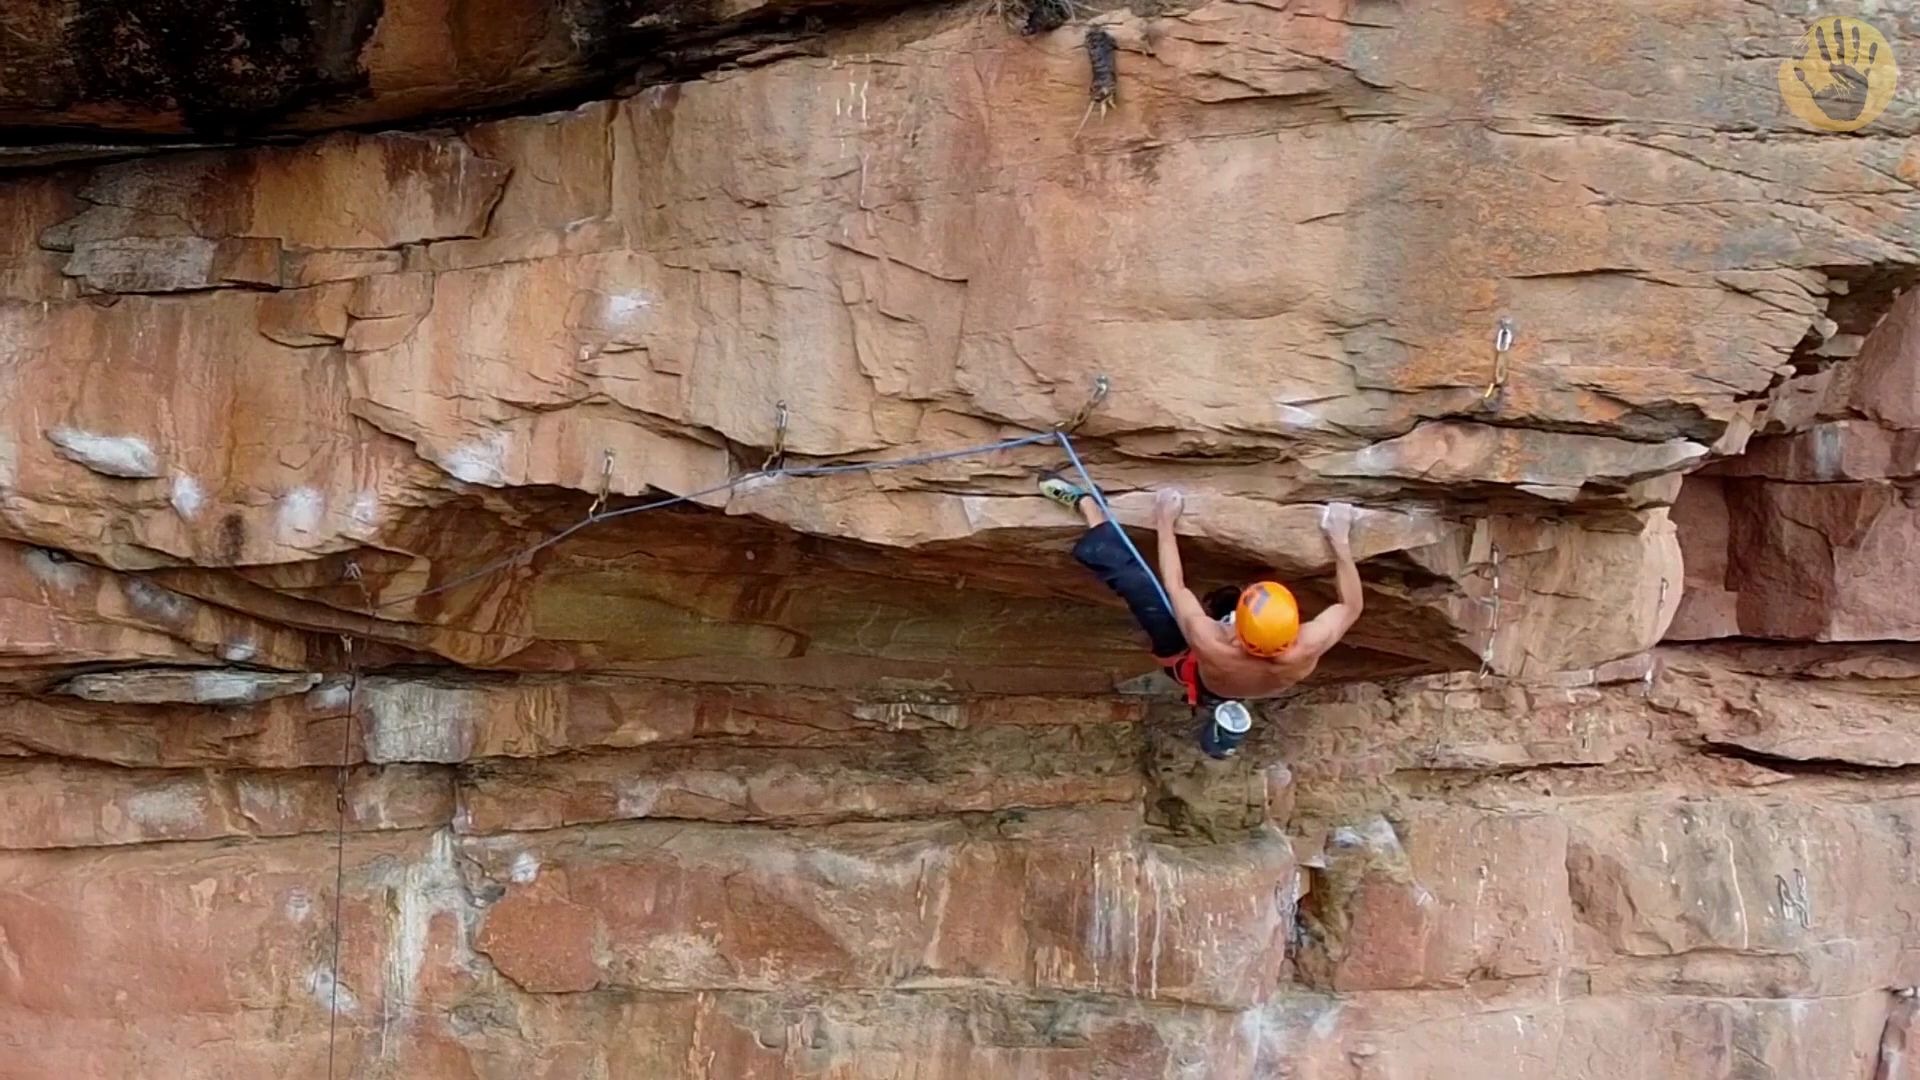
1167, 507
1202, 652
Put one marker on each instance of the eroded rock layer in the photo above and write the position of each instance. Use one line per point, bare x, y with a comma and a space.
851, 775
601, 877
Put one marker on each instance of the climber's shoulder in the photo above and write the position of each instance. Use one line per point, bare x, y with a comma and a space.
1210, 641
1235, 674
1284, 672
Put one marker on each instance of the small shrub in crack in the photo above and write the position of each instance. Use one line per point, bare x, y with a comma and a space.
1100, 50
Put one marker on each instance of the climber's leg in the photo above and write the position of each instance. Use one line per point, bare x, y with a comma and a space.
1090, 510
1102, 551
1070, 495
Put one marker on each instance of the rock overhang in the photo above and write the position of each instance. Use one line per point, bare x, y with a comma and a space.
439, 334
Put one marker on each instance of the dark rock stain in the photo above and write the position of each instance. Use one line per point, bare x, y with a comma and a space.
233, 539
225, 66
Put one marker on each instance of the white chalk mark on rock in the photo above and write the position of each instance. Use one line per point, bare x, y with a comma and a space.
187, 498
159, 686
366, 508
301, 510
153, 602
419, 892
331, 696
320, 985
165, 808
55, 570
482, 461
1828, 447
413, 721
124, 456
1293, 416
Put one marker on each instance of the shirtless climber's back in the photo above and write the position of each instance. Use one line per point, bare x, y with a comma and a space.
1194, 644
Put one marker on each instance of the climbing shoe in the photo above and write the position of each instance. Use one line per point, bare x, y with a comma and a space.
1060, 491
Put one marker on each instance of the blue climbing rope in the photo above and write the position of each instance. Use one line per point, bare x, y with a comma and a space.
1100, 501
1065, 441
598, 517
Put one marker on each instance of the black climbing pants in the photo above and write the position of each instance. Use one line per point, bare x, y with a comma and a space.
1103, 551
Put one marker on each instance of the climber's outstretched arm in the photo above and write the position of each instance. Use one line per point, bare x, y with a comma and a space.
1328, 627
1186, 606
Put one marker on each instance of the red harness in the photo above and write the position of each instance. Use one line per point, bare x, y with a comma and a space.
1185, 670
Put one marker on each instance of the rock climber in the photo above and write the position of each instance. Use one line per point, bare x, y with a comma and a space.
1194, 643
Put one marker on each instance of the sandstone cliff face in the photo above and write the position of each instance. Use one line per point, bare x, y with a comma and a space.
851, 776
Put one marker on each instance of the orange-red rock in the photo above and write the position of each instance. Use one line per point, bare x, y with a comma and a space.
1471, 896
1762, 876
1900, 1043
56, 805
892, 778
1808, 534
857, 776
687, 908
581, 291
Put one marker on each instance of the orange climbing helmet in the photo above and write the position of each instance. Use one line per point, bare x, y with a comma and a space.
1267, 619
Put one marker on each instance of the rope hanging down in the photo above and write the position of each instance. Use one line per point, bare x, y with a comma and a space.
1493, 617
341, 778
1502, 344
1100, 501
340, 850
